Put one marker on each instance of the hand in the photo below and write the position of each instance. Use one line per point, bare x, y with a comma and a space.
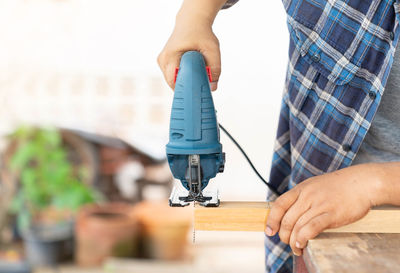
191, 32
326, 201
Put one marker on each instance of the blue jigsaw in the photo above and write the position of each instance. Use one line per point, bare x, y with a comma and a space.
194, 150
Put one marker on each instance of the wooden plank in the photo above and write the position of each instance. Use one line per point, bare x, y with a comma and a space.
252, 216
350, 252
232, 216
378, 220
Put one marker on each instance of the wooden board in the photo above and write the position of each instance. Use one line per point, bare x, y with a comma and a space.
252, 216
350, 252
232, 216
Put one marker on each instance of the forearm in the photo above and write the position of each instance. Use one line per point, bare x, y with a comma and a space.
388, 182
204, 10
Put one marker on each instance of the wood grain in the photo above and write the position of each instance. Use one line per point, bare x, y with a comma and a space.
252, 216
232, 216
350, 252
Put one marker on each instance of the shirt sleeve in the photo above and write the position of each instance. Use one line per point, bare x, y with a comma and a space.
229, 3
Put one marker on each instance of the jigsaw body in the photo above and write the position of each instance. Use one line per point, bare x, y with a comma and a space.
194, 150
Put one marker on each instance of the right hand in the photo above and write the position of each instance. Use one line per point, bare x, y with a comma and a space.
191, 34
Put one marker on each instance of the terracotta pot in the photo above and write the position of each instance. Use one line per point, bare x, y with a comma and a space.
103, 231
164, 229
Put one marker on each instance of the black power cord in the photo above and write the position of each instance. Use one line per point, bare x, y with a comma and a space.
272, 188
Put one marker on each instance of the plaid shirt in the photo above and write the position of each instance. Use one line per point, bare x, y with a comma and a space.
340, 55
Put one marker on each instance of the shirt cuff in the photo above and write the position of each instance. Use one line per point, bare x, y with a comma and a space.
229, 4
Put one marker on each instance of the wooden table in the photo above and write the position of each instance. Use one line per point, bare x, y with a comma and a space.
350, 252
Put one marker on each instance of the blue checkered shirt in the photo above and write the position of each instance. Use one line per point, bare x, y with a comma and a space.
340, 56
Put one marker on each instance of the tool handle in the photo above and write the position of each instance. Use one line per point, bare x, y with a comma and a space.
208, 69
193, 125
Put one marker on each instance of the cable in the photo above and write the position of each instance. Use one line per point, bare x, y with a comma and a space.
272, 188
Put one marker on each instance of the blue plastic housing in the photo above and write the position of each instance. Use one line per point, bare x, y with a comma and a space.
193, 125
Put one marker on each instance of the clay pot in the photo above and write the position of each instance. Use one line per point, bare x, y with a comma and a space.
164, 229
103, 231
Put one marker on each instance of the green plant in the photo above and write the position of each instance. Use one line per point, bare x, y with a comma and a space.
47, 178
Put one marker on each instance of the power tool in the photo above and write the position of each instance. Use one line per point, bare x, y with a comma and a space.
194, 151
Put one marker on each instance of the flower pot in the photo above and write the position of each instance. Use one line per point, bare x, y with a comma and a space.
164, 229
49, 244
103, 231
14, 267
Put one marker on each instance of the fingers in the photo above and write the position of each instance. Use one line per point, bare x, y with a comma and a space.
170, 56
279, 208
168, 62
212, 57
311, 229
290, 218
302, 220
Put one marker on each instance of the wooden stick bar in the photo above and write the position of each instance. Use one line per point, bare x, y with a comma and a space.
234, 216
252, 216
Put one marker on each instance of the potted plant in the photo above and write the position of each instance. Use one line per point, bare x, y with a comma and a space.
49, 193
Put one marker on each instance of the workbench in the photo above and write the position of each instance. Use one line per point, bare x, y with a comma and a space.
351, 252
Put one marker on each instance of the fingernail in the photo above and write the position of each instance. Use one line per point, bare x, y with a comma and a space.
214, 85
296, 253
298, 245
268, 231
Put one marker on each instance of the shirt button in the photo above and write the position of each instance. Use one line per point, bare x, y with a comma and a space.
391, 35
316, 57
346, 147
371, 95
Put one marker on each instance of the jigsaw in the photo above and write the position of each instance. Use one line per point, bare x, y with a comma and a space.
194, 151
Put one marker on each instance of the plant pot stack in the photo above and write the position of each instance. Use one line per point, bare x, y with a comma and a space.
164, 230
103, 231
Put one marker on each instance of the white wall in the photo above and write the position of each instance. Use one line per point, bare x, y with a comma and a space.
254, 41
123, 37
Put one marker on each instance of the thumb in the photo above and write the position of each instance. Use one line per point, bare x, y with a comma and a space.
213, 60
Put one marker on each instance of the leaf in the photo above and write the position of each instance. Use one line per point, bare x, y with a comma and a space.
24, 154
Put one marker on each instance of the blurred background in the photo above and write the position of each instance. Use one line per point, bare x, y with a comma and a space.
80, 78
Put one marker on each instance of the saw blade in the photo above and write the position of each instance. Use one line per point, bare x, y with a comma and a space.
194, 231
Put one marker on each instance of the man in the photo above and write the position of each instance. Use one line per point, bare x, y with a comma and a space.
337, 154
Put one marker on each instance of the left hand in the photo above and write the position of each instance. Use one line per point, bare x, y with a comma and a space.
321, 202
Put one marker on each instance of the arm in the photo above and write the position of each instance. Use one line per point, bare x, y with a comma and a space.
332, 200
389, 175
193, 31
202, 10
